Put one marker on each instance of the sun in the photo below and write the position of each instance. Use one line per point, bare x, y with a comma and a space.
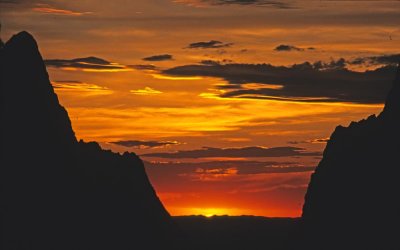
210, 212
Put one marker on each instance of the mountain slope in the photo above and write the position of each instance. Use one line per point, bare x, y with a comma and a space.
56, 192
353, 200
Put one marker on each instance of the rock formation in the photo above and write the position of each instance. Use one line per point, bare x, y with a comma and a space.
56, 192
353, 200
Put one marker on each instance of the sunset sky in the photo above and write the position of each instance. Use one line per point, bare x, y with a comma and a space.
228, 102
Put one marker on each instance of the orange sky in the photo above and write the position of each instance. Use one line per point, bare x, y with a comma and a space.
136, 88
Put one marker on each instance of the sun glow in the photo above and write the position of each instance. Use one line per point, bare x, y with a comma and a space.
145, 91
210, 212
176, 78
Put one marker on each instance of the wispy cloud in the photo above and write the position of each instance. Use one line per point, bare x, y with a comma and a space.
318, 140
91, 64
271, 3
285, 47
209, 152
87, 89
145, 91
158, 58
213, 44
221, 170
145, 144
145, 67
48, 9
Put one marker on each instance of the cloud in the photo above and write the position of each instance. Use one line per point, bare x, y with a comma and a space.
213, 44
214, 62
271, 3
305, 82
157, 58
321, 140
284, 47
240, 167
211, 174
48, 9
210, 62
212, 171
25, 3
145, 91
21, 1
149, 67
208, 152
87, 89
87, 64
44, 7
67, 82
377, 60
144, 144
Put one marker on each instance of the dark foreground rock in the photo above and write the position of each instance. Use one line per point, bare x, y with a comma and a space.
56, 192
353, 200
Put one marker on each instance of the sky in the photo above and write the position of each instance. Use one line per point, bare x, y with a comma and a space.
229, 103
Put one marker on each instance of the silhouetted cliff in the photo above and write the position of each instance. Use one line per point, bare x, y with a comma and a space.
353, 200
56, 192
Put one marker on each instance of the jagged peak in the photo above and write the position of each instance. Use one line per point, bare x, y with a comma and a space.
22, 40
392, 105
25, 80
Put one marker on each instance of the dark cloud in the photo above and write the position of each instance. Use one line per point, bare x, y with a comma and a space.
157, 58
85, 60
321, 140
278, 169
214, 62
377, 60
272, 3
19, 1
144, 144
210, 62
284, 47
213, 44
224, 167
144, 67
207, 152
332, 65
91, 62
307, 82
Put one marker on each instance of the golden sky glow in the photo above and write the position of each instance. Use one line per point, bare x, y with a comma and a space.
108, 62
